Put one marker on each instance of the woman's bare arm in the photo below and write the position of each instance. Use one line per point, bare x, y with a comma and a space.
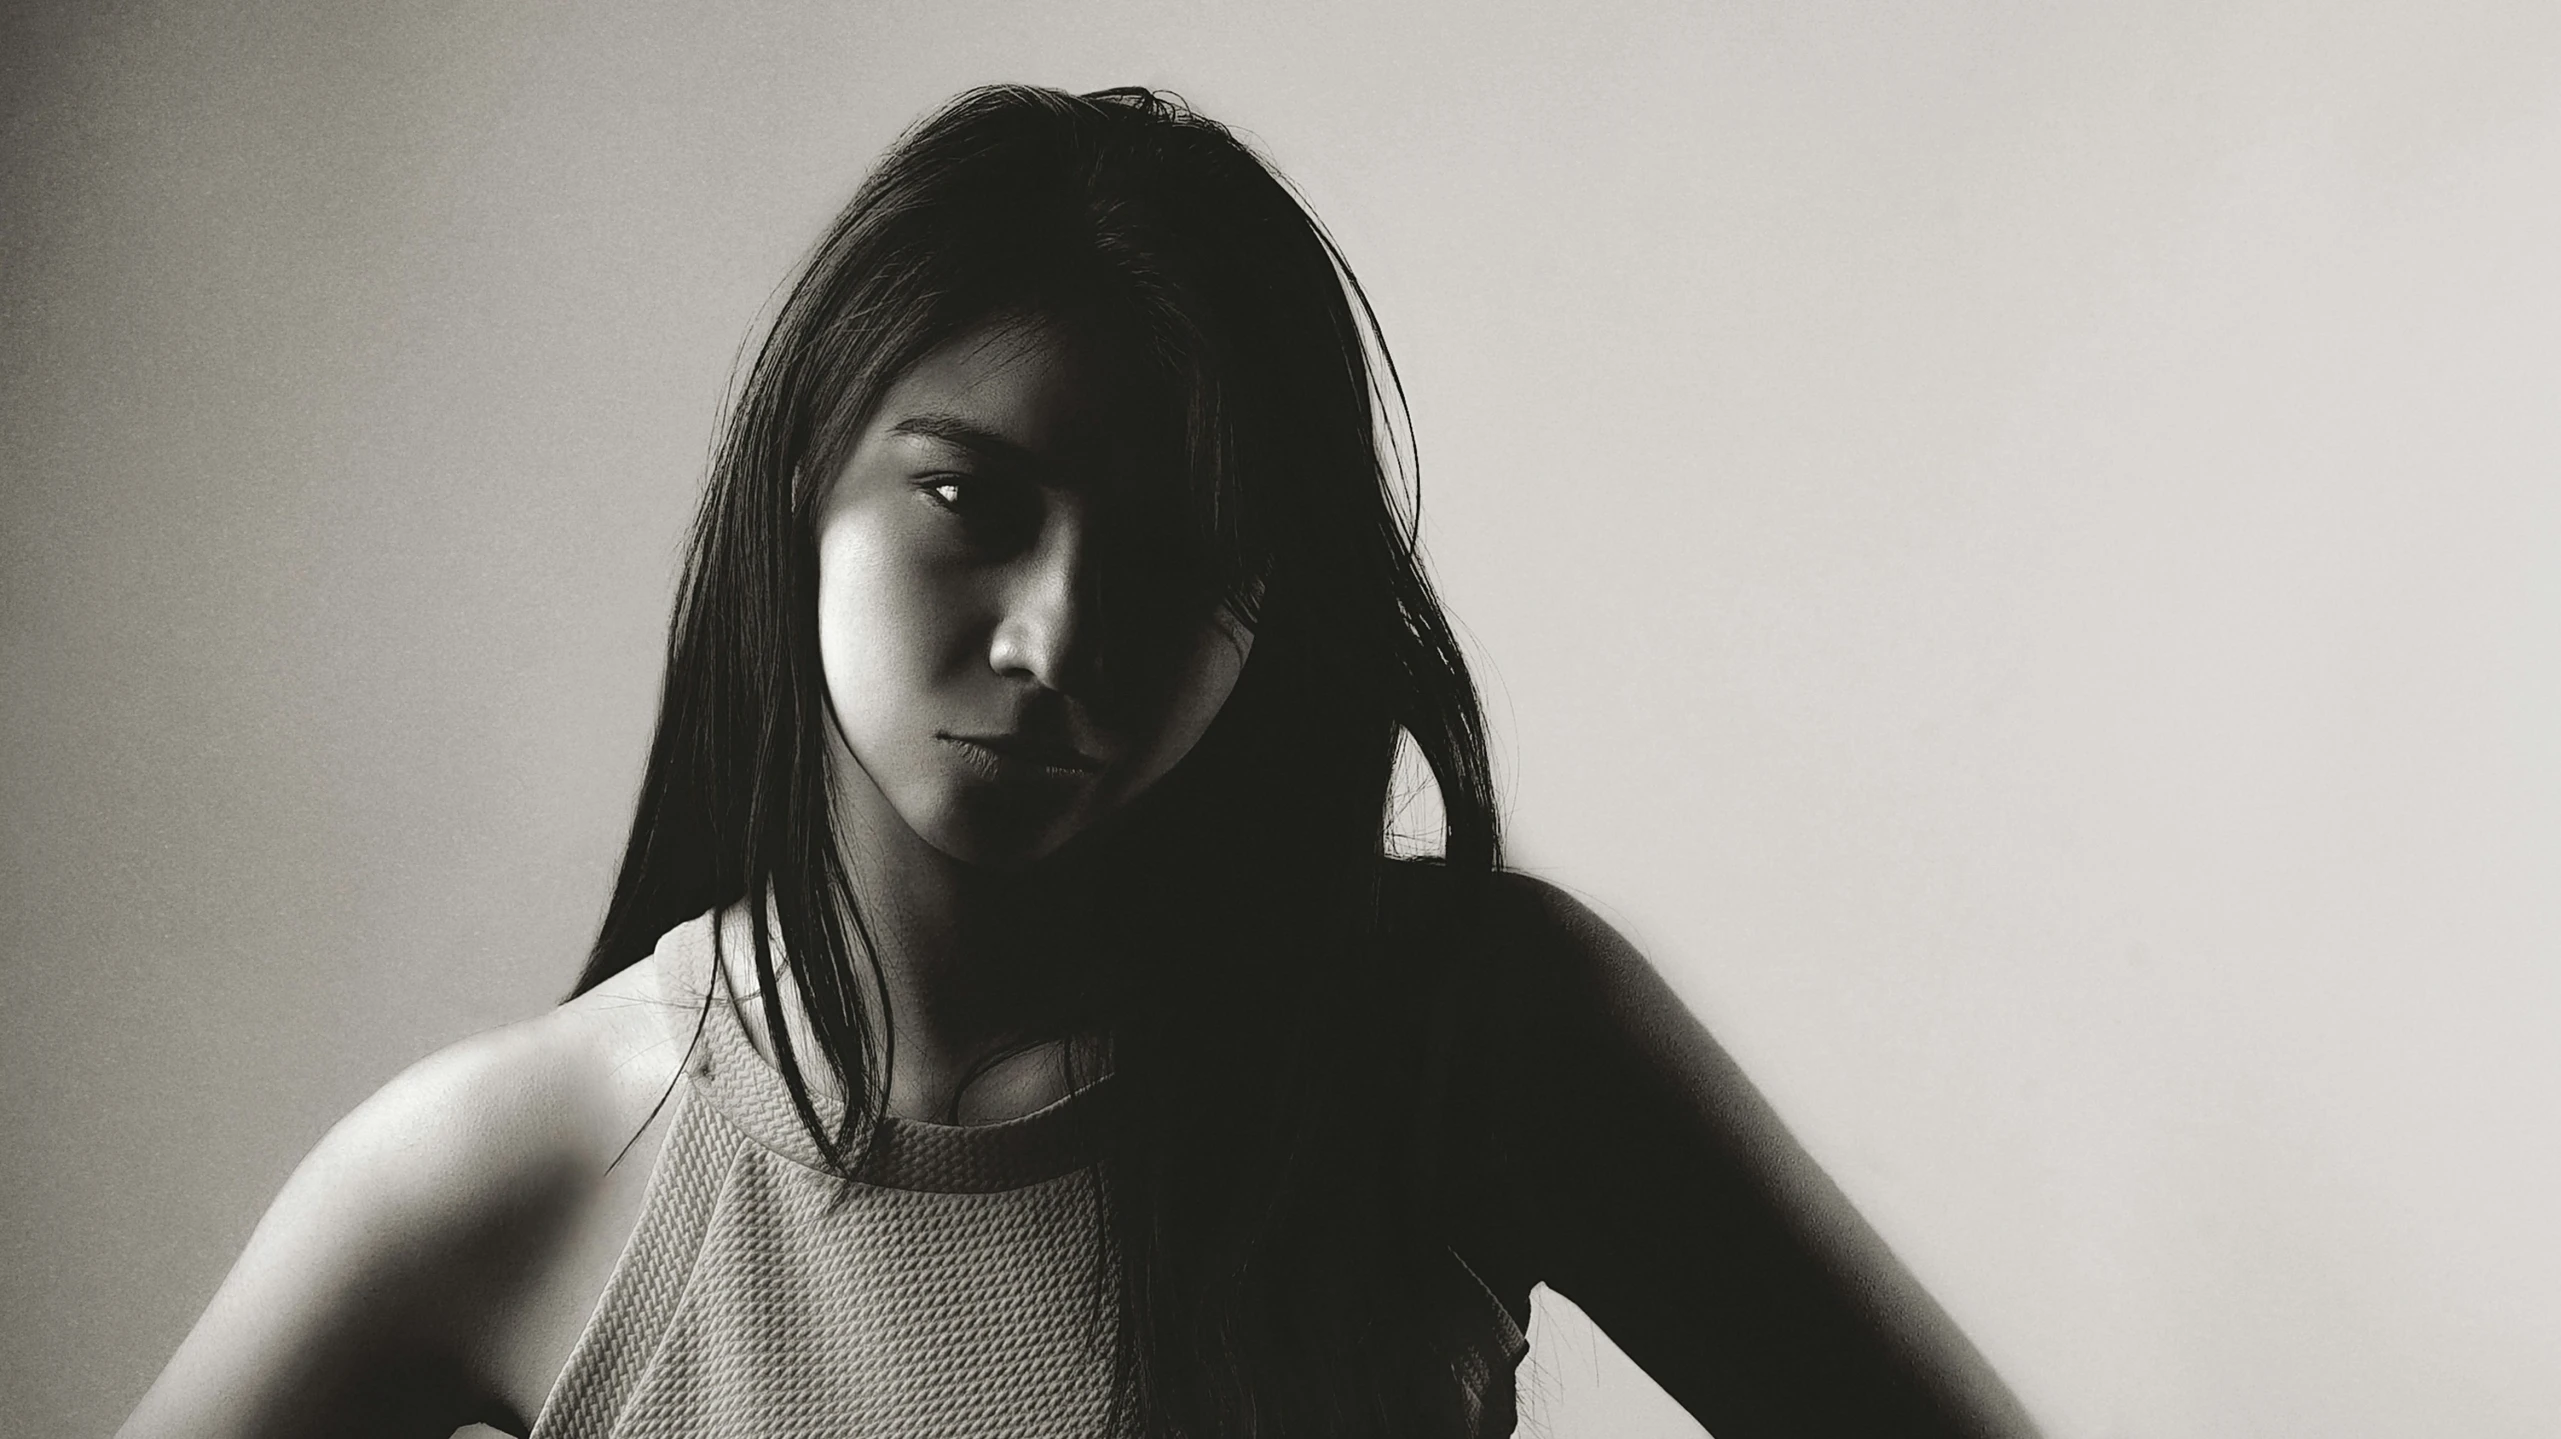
388, 1288
1674, 1207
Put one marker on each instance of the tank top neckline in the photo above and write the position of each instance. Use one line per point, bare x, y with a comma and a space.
737, 1079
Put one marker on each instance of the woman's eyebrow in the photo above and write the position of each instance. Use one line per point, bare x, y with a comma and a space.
953, 430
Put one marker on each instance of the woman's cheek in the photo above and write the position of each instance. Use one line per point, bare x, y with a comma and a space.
871, 622
1201, 686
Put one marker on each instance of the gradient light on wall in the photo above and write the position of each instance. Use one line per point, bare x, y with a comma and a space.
2015, 550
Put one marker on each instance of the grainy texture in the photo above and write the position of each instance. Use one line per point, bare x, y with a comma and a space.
957, 1290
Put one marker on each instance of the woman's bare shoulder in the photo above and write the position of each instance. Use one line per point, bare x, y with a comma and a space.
467, 1135
366, 1293
1536, 928
1668, 1199
562, 1088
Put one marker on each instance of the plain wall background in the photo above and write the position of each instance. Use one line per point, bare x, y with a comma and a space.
2017, 549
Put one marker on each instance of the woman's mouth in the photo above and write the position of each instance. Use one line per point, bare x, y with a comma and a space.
1019, 758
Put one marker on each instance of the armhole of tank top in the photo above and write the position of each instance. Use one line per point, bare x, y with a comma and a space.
1507, 1328
643, 1292
1490, 1379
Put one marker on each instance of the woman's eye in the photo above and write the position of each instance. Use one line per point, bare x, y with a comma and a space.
989, 509
948, 491
963, 495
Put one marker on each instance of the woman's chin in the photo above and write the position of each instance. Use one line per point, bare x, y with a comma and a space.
1001, 838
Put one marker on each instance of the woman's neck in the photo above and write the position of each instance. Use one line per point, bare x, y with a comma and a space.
972, 964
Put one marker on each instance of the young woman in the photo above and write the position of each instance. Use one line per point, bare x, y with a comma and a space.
1007, 1020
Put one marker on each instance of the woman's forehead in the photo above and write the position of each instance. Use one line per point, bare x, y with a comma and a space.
1031, 391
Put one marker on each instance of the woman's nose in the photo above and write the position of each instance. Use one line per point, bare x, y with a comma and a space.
1050, 630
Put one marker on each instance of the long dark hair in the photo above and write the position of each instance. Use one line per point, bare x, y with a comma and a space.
1275, 1082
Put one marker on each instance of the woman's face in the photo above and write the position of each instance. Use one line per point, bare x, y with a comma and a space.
1013, 649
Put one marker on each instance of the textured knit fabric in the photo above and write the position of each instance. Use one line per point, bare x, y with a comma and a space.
959, 1289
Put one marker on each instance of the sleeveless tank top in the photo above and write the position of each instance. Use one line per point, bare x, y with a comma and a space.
960, 1287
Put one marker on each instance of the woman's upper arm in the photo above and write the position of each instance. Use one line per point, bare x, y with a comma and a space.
355, 1306
1674, 1208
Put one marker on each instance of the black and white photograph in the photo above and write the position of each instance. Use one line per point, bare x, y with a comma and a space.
1158, 720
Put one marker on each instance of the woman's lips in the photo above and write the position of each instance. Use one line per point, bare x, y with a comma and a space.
1022, 757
